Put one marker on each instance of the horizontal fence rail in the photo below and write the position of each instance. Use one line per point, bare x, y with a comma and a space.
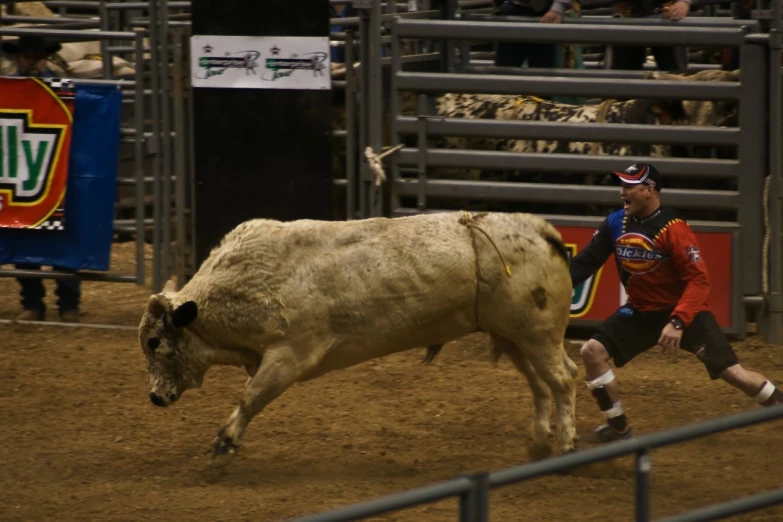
639, 446
544, 130
572, 33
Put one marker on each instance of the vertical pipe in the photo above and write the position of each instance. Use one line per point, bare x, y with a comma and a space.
103, 14
775, 231
375, 86
421, 187
364, 67
166, 149
191, 170
157, 284
752, 169
642, 486
138, 150
395, 111
179, 156
350, 128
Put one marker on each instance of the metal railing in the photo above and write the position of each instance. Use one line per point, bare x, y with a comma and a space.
473, 490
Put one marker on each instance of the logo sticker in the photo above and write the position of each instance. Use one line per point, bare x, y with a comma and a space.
693, 253
637, 253
35, 138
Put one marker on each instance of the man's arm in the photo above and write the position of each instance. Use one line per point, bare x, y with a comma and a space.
684, 253
593, 256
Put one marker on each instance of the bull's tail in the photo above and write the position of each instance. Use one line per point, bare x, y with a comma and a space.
557, 245
432, 351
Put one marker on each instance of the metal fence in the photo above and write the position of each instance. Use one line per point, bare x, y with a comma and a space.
473, 491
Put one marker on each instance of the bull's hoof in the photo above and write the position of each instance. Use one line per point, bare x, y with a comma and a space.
224, 446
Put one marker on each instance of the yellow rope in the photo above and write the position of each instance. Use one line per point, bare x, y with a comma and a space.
468, 220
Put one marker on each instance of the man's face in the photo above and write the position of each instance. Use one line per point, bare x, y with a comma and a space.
636, 199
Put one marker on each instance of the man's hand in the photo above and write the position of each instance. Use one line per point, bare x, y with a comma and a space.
670, 339
552, 17
676, 11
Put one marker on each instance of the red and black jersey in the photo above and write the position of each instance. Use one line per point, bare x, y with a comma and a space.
657, 258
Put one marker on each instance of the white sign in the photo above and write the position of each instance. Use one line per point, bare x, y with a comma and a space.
260, 62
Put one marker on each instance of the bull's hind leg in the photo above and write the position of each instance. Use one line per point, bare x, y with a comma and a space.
548, 357
542, 398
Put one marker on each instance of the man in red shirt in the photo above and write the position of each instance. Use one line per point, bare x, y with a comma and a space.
667, 284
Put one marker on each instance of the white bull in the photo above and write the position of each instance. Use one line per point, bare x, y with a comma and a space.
292, 301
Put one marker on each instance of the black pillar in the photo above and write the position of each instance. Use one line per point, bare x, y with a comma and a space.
259, 152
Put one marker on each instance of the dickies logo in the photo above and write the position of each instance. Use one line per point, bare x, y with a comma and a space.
693, 253
637, 253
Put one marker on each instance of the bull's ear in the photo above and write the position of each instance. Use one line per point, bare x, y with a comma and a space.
158, 305
184, 314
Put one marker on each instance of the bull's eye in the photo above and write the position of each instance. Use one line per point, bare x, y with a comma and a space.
153, 343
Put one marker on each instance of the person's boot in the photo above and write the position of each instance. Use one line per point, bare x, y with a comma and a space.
69, 316
32, 315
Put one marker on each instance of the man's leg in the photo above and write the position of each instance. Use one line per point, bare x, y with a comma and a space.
623, 336
32, 294
68, 293
671, 59
628, 57
601, 382
707, 341
511, 54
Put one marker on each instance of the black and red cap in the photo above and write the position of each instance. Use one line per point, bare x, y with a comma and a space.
640, 173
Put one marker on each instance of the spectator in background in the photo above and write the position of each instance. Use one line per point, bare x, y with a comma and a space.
514, 54
30, 54
632, 57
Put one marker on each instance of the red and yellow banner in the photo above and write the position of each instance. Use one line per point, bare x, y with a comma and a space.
36, 122
601, 295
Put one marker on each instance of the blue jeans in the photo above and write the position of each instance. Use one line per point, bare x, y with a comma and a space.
68, 291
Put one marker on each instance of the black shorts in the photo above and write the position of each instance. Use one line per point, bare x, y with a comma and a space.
628, 332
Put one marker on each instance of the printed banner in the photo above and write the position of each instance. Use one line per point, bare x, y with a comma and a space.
260, 62
36, 120
85, 244
601, 295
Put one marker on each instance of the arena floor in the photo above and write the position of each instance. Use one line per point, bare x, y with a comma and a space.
81, 440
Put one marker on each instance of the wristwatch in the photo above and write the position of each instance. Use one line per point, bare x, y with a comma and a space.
676, 323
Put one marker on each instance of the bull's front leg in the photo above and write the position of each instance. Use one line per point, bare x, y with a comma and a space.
279, 369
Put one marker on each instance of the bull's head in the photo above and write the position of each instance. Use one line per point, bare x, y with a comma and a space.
175, 356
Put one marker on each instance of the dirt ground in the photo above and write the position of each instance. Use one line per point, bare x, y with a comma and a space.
81, 440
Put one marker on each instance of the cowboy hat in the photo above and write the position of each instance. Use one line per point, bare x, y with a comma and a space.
30, 44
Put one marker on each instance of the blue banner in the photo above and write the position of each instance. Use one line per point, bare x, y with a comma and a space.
85, 243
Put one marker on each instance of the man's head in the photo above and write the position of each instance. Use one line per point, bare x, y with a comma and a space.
640, 189
31, 53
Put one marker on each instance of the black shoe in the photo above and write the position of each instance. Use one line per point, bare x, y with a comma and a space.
605, 433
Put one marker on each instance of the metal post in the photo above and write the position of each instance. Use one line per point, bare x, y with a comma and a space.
775, 259
474, 505
138, 148
179, 155
364, 113
752, 115
643, 486
165, 109
350, 127
104, 24
395, 111
375, 86
157, 284
421, 124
